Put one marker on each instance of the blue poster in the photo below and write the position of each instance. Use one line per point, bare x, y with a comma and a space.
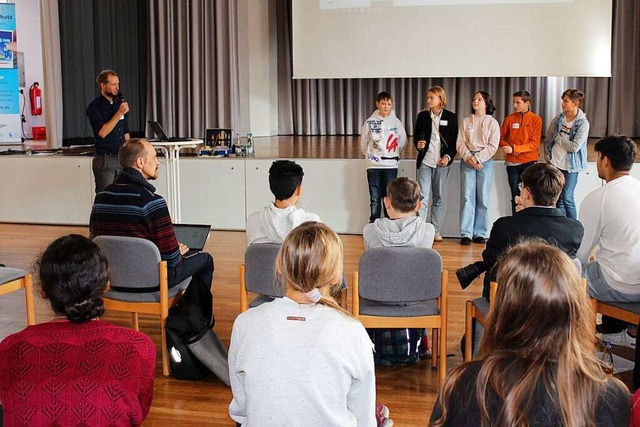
10, 123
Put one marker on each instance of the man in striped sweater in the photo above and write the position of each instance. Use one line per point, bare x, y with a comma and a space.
130, 207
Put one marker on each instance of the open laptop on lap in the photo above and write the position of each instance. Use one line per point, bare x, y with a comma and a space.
193, 235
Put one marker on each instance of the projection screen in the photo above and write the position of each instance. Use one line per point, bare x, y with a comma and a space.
451, 38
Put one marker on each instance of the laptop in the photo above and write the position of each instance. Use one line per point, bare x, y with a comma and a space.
161, 134
193, 235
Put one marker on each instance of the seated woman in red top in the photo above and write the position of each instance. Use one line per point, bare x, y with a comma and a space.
76, 369
538, 363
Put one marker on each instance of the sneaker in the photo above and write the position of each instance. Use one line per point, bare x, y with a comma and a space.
466, 275
479, 239
437, 238
465, 241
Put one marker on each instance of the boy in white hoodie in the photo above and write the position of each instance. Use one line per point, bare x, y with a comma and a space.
382, 139
272, 223
403, 227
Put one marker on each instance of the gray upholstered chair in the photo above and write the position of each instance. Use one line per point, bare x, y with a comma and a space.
257, 275
13, 279
398, 287
136, 263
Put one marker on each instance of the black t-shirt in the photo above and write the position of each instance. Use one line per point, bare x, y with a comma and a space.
100, 111
612, 410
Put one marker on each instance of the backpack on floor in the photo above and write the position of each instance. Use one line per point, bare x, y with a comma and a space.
399, 347
185, 325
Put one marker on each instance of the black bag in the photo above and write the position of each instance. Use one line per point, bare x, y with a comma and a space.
185, 325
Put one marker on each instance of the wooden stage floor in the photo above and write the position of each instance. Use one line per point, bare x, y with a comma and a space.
409, 392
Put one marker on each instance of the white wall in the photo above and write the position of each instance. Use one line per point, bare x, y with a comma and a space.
30, 43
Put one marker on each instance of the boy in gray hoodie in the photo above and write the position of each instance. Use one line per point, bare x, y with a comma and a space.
403, 227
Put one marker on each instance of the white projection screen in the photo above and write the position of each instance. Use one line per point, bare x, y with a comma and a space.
451, 38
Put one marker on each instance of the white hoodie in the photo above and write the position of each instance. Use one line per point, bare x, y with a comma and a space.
382, 137
272, 224
412, 232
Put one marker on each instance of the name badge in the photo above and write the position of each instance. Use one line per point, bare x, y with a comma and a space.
122, 117
444, 122
515, 126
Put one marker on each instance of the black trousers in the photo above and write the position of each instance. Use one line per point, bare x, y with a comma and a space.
200, 267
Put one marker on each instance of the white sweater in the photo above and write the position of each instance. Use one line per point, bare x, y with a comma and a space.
382, 139
610, 218
272, 224
300, 365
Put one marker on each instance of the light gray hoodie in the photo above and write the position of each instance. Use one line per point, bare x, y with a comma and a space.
272, 224
412, 231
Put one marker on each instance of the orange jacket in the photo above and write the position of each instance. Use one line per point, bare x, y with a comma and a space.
521, 131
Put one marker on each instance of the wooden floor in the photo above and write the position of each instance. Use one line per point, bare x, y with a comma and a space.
409, 392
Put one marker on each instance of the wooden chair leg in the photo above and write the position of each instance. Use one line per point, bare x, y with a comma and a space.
134, 321
468, 333
163, 344
434, 348
442, 361
28, 295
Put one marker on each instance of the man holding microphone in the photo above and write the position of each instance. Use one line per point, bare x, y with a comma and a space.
109, 121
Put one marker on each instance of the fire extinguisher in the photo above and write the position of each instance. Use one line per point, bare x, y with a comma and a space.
35, 96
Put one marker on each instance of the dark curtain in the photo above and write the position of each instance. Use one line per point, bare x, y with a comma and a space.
340, 106
96, 35
193, 66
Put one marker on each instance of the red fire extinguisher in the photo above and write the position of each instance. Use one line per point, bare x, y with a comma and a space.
35, 96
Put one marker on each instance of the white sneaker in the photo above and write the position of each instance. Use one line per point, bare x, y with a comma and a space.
437, 238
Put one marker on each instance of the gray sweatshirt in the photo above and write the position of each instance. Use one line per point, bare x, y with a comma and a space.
412, 231
301, 365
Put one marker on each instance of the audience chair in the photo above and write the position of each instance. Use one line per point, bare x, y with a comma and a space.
477, 309
12, 279
136, 263
626, 311
401, 287
257, 275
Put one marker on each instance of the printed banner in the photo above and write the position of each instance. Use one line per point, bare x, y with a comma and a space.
10, 123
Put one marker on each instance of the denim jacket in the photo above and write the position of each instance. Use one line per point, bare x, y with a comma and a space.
575, 145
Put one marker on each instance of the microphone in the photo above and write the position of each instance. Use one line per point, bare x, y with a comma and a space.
120, 96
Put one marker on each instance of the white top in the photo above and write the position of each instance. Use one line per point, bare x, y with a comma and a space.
432, 156
382, 139
610, 218
480, 135
300, 365
558, 152
272, 224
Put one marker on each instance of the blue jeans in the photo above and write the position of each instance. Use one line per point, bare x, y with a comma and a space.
598, 287
378, 180
566, 202
513, 175
475, 186
433, 181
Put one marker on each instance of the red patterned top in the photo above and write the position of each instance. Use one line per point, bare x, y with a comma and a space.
67, 374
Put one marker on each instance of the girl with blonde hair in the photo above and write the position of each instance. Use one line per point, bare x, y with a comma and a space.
302, 359
537, 363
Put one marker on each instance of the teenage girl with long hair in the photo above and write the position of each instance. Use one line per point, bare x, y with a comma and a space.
537, 363
302, 359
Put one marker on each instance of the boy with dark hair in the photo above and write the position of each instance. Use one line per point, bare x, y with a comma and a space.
519, 139
536, 216
382, 139
403, 227
610, 217
272, 223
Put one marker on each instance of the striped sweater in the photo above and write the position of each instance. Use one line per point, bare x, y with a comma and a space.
130, 207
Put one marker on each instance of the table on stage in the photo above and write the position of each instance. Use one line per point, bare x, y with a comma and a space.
171, 150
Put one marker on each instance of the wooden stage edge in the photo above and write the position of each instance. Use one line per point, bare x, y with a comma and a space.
316, 147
